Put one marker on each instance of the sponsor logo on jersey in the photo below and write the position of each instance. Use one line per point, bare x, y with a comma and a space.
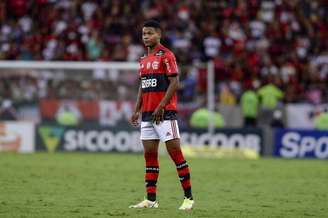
159, 53
146, 83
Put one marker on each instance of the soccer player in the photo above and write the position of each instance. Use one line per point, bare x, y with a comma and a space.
157, 102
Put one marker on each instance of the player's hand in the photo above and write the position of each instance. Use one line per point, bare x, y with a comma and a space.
158, 115
134, 120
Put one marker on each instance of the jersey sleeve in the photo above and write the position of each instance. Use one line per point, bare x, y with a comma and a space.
170, 65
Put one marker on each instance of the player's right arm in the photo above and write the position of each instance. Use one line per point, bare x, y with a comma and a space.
134, 120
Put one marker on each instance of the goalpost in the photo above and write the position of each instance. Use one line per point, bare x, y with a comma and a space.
72, 68
70, 65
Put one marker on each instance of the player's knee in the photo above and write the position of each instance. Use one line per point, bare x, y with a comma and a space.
173, 143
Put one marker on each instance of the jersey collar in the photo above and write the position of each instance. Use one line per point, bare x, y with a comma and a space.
156, 49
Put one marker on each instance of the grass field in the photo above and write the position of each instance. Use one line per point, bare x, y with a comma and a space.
104, 185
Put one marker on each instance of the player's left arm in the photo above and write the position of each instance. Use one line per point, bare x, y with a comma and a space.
173, 87
172, 75
158, 114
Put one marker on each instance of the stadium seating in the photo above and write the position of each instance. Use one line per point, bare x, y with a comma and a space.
252, 42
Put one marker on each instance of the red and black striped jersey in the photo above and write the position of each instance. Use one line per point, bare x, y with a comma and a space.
155, 68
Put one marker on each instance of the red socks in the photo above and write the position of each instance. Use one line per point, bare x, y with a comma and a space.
152, 171
151, 176
182, 169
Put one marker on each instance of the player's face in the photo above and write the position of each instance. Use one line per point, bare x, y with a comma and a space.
150, 36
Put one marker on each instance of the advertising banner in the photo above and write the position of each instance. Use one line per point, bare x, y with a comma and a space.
92, 139
302, 115
113, 112
86, 109
226, 138
106, 112
17, 136
295, 143
108, 139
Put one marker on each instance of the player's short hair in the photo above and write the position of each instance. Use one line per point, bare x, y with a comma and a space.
152, 23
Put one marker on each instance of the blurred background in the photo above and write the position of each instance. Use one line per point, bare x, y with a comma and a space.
253, 73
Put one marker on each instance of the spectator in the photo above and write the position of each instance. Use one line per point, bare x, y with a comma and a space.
321, 121
269, 96
248, 40
7, 111
94, 47
277, 119
200, 119
68, 115
226, 97
249, 104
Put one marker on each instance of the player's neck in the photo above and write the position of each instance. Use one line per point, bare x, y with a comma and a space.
151, 49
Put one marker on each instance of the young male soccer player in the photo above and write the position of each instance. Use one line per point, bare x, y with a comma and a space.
157, 102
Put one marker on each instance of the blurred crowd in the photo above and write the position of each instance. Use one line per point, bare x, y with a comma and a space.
252, 42
27, 87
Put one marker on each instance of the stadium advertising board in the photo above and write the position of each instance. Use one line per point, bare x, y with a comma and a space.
302, 115
92, 139
17, 136
293, 143
112, 112
107, 139
88, 109
227, 138
106, 112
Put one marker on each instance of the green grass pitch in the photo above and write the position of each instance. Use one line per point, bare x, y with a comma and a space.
104, 185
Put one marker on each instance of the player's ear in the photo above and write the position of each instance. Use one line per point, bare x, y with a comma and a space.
159, 32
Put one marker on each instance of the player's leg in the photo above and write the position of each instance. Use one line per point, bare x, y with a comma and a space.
174, 150
168, 132
151, 174
152, 167
150, 141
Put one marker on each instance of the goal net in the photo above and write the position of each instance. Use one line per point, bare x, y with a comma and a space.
97, 92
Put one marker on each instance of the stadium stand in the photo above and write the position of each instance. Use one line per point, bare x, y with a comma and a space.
251, 42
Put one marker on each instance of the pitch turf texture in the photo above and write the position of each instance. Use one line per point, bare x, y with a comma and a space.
104, 185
